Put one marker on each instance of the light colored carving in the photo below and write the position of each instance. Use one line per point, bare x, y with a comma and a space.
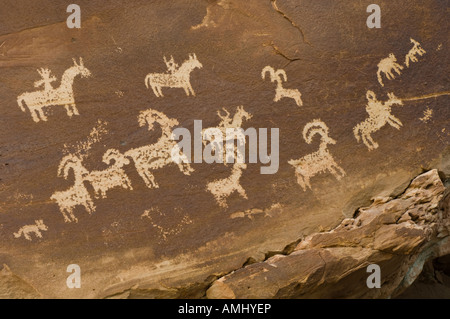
77, 194
26, 230
379, 116
113, 176
280, 92
318, 162
387, 67
176, 77
223, 188
154, 156
49, 96
416, 50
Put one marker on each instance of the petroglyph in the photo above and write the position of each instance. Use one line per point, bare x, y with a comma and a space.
379, 116
280, 92
77, 194
175, 77
227, 123
223, 188
427, 115
35, 229
251, 213
320, 161
62, 96
81, 148
165, 232
113, 176
412, 54
158, 155
388, 66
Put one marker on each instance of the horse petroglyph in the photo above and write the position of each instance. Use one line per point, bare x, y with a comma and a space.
319, 161
388, 66
49, 96
379, 116
280, 92
26, 230
175, 77
158, 155
412, 54
223, 188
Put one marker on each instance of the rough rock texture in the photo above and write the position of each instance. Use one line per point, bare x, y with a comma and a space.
176, 240
398, 234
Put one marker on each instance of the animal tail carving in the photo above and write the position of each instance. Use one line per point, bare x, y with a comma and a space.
380, 80
356, 132
147, 80
20, 101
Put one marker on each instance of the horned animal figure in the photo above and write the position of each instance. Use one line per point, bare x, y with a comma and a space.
319, 161
379, 116
63, 95
280, 91
416, 50
77, 194
154, 156
388, 66
28, 229
223, 188
113, 176
177, 77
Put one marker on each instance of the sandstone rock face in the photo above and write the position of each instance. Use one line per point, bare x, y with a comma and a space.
398, 234
87, 177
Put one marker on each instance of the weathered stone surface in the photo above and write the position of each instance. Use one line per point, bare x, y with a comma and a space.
400, 235
177, 240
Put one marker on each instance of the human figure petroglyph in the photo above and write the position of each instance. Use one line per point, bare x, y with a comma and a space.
49, 96
26, 230
387, 67
154, 156
280, 91
412, 54
320, 161
379, 116
46, 79
77, 194
226, 122
177, 76
111, 177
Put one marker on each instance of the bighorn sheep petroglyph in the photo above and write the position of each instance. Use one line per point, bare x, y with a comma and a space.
280, 91
319, 161
155, 156
77, 194
113, 176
